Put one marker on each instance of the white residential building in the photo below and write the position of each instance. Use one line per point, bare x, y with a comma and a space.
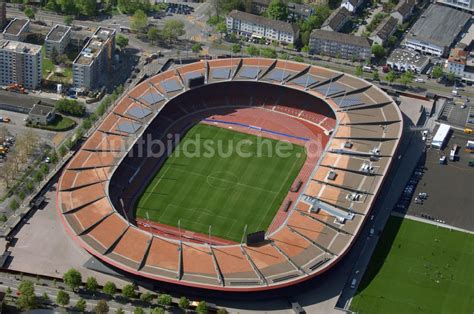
255, 26
57, 39
20, 63
467, 5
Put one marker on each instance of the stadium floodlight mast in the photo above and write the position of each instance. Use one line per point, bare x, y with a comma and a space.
308, 75
210, 228
284, 69
243, 235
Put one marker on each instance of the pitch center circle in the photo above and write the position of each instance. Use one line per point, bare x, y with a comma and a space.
222, 180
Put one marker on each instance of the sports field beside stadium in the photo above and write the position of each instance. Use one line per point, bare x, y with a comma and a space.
225, 190
418, 268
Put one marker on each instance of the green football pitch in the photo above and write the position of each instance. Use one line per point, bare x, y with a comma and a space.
418, 268
226, 190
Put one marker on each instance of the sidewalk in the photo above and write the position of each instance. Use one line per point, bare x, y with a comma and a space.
431, 222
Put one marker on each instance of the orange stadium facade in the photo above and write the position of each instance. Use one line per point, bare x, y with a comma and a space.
361, 126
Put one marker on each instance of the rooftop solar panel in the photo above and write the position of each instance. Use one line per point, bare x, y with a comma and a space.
128, 127
138, 112
152, 98
171, 86
192, 75
330, 89
305, 80
249, 72
344, 102
221, 74
278, 75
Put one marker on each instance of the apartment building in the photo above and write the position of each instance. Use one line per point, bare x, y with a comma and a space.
296, 11
339, 45
336, 21
255, 26
93, 64
57, 39
352, 5
17, 30
383, 32
20, 63
403, 10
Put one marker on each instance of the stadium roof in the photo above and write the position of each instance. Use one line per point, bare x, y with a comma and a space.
311, 237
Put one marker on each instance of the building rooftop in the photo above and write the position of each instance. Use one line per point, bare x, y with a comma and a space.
57, 32
336, 17
40, 109
403, 56
279, 25
19, 47
439, 25
385, 29
458, 56
468, 36
404, 7
95, 44
16, 26
341, 38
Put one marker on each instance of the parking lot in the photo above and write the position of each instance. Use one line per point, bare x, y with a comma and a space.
17, 126
457, 112
448, 188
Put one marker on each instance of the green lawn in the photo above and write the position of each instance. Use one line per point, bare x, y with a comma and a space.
225, 192
59, 124
418, 268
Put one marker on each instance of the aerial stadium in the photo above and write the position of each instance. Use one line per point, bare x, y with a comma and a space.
232, 223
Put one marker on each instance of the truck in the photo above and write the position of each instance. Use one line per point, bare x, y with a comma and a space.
453, 153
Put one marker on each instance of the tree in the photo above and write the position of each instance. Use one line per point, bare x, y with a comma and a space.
92, 285
139, 21
110, 288
375, 75
451, 76
62, 298
378, 51
196, 48
222, 311
128, 291
80, 306
146, 297
68, 19
201, 308
26, 299
138, 310
86, 7
8, 173
359, 71
70, 107
221, 28
13, 205
253, 51
121, 41
165, 300
153, 34
392, 40
158, 310
391, 77
437, 71
183, 303
407, 78
277, 10
268, 53
236, 48
120, 311
73, 279
101, 307
29, 13
172, 30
